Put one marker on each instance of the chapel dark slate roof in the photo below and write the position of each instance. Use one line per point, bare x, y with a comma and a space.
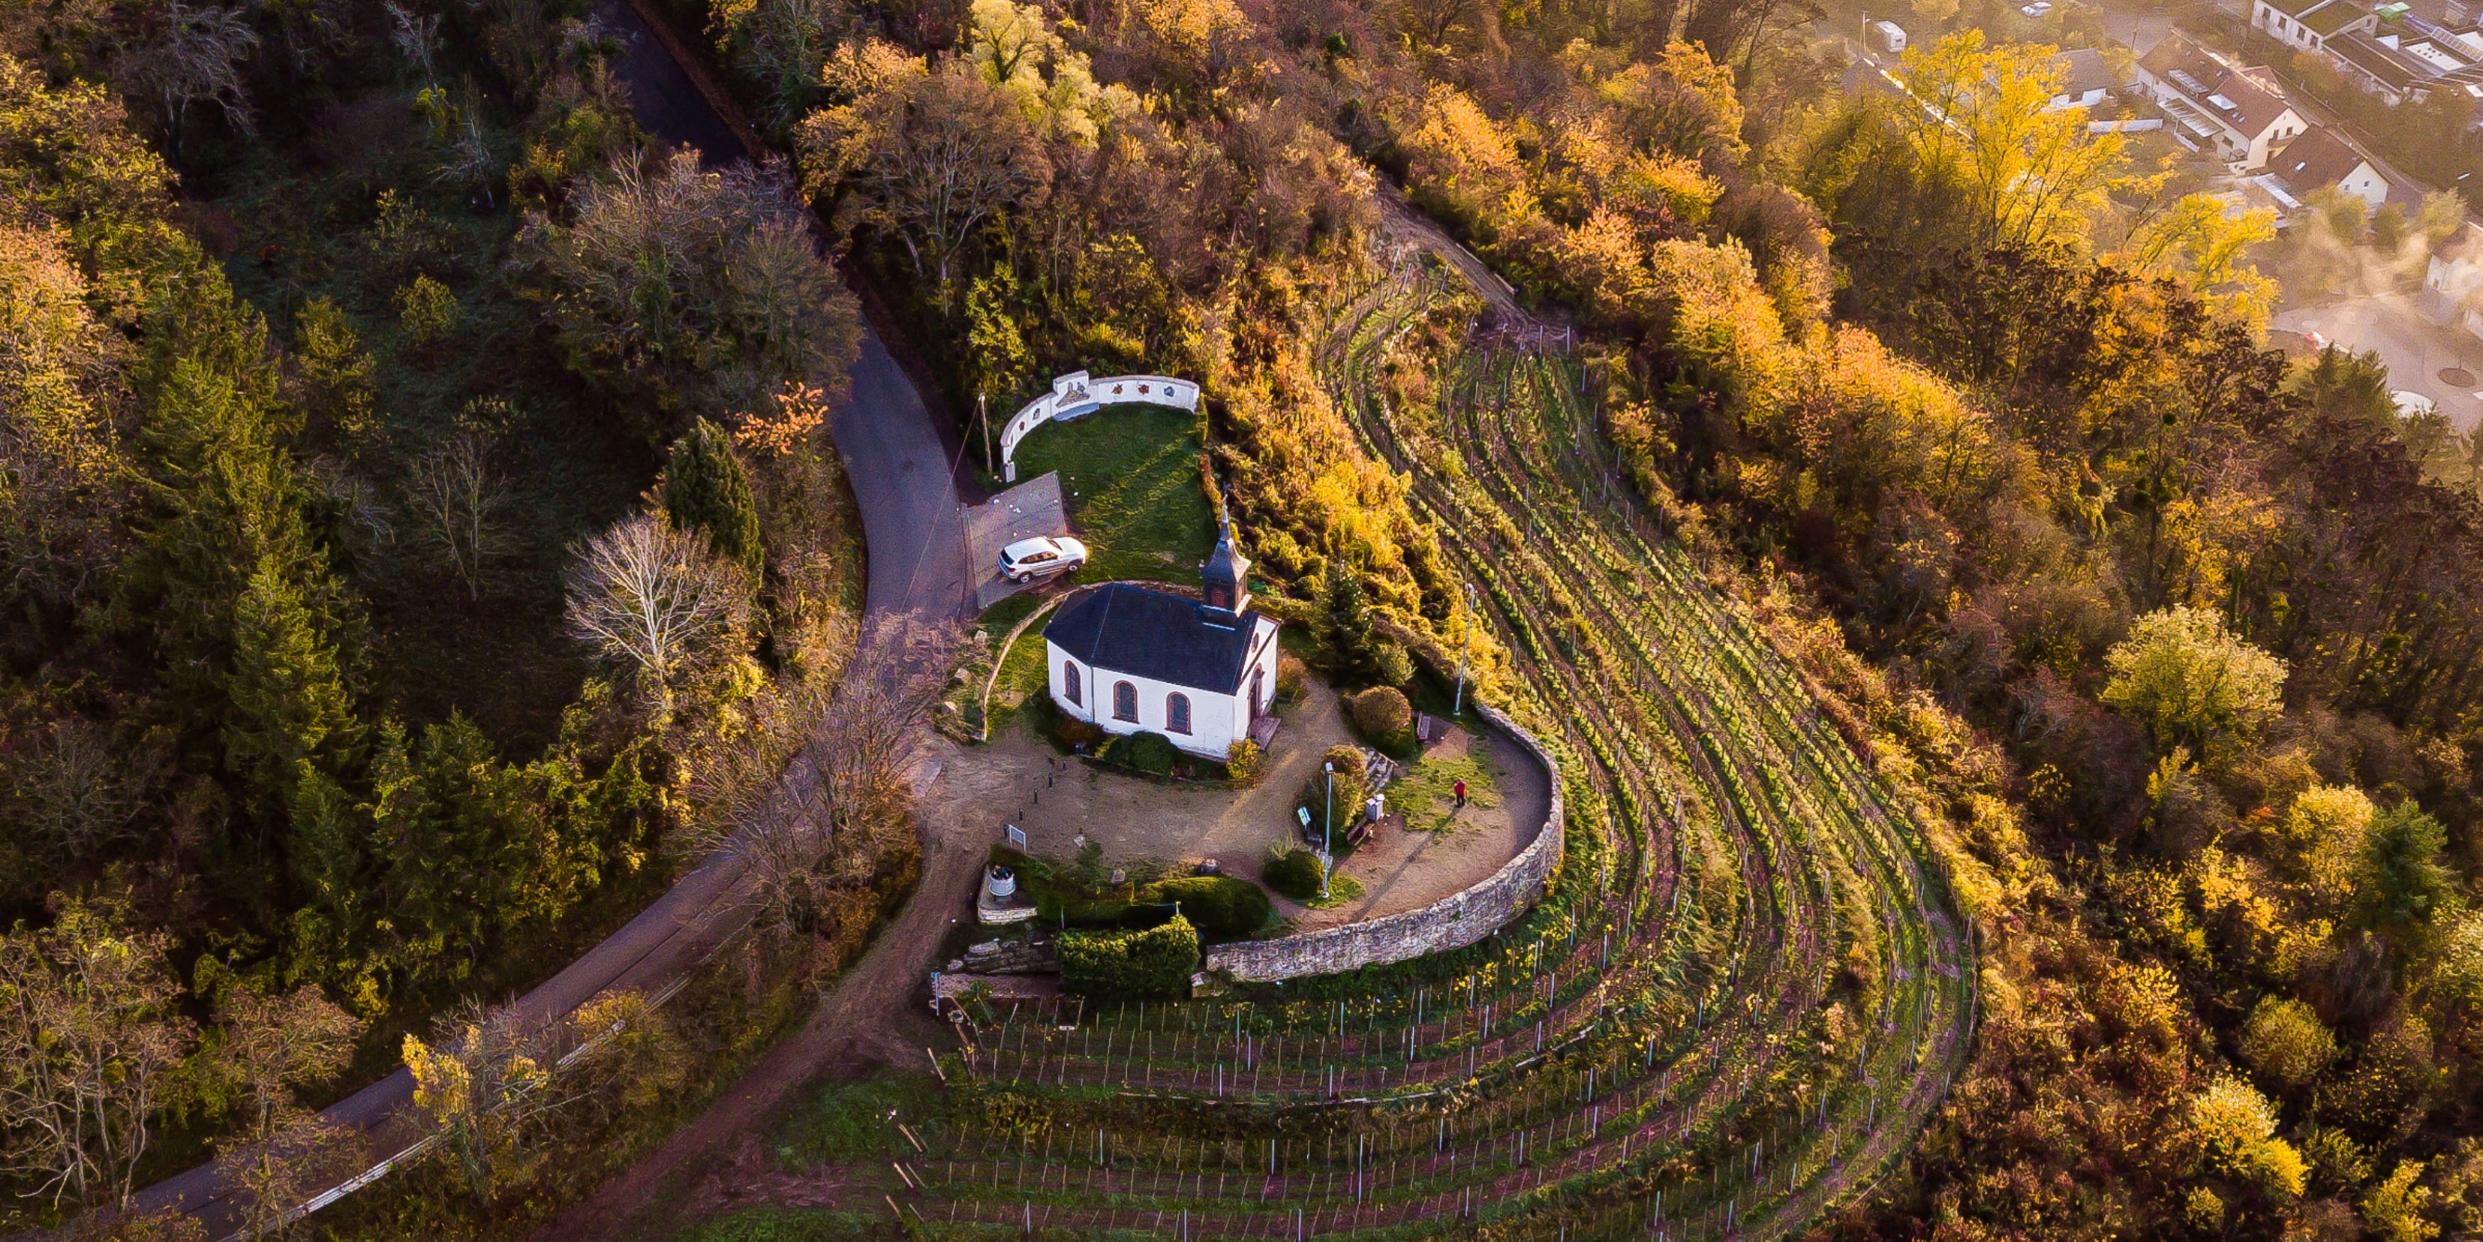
1226, 567
1120, 628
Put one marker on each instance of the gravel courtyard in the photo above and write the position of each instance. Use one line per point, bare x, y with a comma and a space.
1018, 778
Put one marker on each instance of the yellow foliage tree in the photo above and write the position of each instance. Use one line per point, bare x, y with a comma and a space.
1468, 159
1981, 119
2285, 1040
2204, 245
2238, 1127
2394, 1208
2327, 827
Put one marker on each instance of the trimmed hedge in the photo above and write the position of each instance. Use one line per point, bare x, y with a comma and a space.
1222, 906
1154, 964
1152, 753
1381, 712
1294, 873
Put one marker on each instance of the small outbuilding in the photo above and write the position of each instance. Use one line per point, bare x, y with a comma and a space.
1133, 659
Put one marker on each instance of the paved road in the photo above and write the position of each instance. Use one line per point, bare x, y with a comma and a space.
905, 481
2415, 349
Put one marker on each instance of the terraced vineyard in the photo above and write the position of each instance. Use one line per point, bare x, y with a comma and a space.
1735, 1008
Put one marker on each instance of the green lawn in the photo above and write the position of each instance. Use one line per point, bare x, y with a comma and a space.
1130, 476
1023, 674
850, 1122
1426, 793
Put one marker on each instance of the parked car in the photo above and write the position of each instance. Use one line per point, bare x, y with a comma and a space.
1041, 557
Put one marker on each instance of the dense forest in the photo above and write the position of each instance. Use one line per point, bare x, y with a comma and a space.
341, 484
366, 372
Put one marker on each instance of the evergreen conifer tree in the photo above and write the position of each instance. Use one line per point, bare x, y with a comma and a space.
1344, 625
706, 491
287, 706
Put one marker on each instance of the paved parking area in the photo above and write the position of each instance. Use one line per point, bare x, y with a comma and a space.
1029, 509
2415, 349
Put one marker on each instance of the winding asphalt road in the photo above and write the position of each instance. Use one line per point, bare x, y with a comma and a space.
905, 477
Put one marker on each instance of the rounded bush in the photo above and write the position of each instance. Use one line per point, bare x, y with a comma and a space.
1220, 905
1381, 712
1147, 752
1348, 788
1294, 873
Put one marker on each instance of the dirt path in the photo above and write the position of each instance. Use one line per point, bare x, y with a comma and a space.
1405, 224
870, 1017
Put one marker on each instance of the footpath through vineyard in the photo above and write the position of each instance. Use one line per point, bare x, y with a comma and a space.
1742, 997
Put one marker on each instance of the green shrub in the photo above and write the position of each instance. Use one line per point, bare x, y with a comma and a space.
1292, 872
1348, 787
1242, 762
427, 310
1146, 752
1382, 713
707, 492
1394, 663
1151, 964
1222, 906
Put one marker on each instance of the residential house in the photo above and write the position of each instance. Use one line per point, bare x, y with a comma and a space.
2086, 77
2391, 51
2321, 159
2309, 25
2240, 115
2379, 67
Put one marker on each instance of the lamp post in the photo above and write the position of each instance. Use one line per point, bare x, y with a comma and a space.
1459, 710
1327, 831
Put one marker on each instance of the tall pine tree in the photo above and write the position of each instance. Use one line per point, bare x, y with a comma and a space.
706, 491
1344, 624
287, 705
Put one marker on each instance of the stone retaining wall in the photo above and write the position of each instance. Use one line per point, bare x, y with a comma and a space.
1452, 922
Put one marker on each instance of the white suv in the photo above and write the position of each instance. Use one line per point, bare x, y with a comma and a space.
1041, 557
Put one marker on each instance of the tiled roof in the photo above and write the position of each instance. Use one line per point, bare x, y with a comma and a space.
2084, 69
2175, 52
2316, 160
2255, 107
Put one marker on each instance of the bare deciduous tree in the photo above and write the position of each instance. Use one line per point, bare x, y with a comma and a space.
89, 1037
457, 500
653, 599
274, 1043
190, 54
702, 288
71, 789
806, 795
